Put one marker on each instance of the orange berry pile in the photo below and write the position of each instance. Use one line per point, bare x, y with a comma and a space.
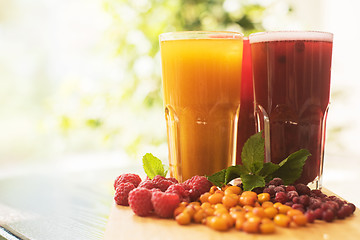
230, 207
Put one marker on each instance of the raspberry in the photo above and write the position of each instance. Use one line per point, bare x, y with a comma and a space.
161, 182
122, 193
174, 180
199, 183
165, 203
147, 184
180, 190
128, 177
140, 201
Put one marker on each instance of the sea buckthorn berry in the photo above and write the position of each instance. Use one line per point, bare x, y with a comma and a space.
237, 215
268, 227
250, 227
277, 205
219, 206
270, 212
217, 223
205, 205
267, 204
229, 219
194, 204
236, 209
282, 220
233, 189
263, 197
257, 204
284, 209
249, 193
259, 211
239, 222
247, 200
249, 215
292, 212
220, 191
183, 218
209, 211
213, 189
190, 210
215, 198
248, 208
230, 200
300, 219
179, 210
199, 216
204, 197
183, 204
220, 211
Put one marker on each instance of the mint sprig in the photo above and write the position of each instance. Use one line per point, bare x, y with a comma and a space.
255, 173
153, 166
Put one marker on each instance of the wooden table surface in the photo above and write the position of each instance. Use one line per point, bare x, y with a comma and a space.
123, 224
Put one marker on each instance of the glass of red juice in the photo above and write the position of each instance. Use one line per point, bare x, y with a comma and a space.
246, 122
291, 93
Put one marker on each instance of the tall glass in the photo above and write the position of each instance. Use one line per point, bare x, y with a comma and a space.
201, 73
246, 123
292, 88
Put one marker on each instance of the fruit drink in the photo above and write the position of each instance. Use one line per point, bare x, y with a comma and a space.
292, 88
201, 73
246, 124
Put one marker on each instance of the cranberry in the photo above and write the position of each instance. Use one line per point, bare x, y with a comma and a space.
296, 199
270, 190
347, 209
276, 182
289, 203
310, 216
281, 197
341, 214
292, 194
318, 213
328, 215
298, 207
302, 189
314, 203
304, 200
279, 189
290, 188
353, 207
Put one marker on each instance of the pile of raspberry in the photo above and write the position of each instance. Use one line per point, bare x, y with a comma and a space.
313, 203
159, 196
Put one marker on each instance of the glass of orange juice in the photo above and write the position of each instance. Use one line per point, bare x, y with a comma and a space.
201, 75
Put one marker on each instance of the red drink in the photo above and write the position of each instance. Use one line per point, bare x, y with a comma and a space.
292, 88
246, 123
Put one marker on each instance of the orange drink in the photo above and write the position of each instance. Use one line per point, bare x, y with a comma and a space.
201, 73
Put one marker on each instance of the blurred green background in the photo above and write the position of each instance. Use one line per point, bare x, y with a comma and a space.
84, 76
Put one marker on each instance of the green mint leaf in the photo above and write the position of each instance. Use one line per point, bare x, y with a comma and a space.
252, 154
252, 181
233, 172
153, 166
218, 179
268, 169
291, 168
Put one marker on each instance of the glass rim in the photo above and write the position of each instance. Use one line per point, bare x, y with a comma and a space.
200, 35
270, 36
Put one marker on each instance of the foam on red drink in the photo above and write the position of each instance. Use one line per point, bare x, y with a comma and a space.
246, 123
292, 88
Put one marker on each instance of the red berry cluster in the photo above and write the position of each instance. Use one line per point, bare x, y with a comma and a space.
159, 195
313, 203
